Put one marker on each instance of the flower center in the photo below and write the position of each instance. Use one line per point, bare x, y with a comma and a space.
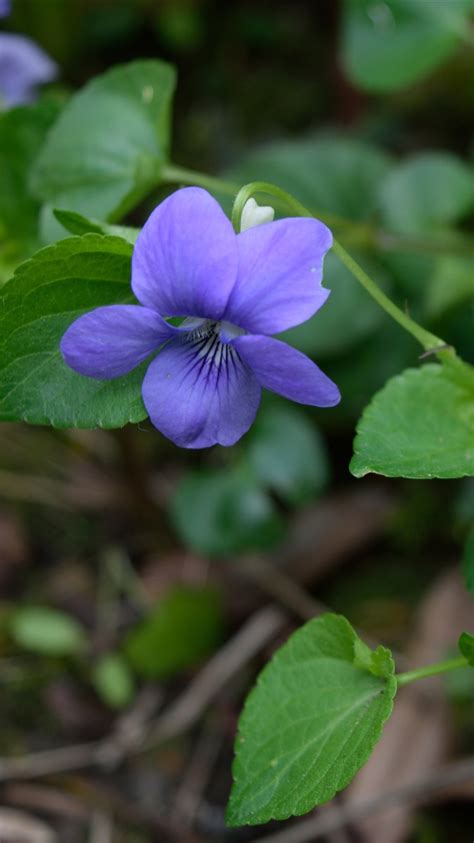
211, 339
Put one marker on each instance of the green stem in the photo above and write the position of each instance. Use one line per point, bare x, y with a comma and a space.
180, 175
431, 670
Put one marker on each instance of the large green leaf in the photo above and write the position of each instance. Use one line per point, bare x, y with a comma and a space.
46, 294
427, 192
106, 150
181, 629
386, 46
420, 425
309, 724
328, 173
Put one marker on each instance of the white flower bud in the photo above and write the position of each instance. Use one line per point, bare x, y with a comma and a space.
254, 214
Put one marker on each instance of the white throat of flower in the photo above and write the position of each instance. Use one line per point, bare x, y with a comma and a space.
254, 214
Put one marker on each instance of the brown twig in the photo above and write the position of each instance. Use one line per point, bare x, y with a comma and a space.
415, 792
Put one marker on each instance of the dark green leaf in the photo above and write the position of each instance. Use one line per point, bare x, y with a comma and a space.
47, 631
219, 513
78, 224
420, 425
468, 561
106, 150
466, 647
287, 454
389, 45
181, 630
46, 294
308, 726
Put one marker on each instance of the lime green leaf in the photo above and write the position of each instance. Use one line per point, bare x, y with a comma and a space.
379, 661
466, 647
287, 454
420, 425
106, 150
46, 294
221, 513
308, 726
468, 561
427, 192
181, 630
47, 631
113, 680
328, 173
78, 224
389, 45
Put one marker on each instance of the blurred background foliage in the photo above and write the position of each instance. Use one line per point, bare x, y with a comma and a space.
125, 563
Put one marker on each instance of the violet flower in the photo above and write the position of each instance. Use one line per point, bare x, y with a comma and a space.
5, 8
23, 67
205, 384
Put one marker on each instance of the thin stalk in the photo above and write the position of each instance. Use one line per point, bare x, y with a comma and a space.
431, 670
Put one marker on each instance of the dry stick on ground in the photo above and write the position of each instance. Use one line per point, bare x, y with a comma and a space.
259, 630
416, 792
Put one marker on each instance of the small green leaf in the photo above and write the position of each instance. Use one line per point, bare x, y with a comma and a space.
379, 661
46, 294
466, 647
390, 45
468, 561
427, 192
219, 513
420, 425
452, 284
181, 630
308, 726
287, 454
106, 150
47, 631
78, 224
113, 680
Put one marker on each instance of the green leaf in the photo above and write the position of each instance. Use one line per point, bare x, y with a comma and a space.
420, 425
181, 630
78, 224
379, 661
466, 647
106, 150
22, 131
287, 454
47, 631
219, 513
390, 45
349, 316
46, 294
468, 561
308, 726
113, 680
427, 192
328, 173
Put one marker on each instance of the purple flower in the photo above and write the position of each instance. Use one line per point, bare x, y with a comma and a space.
23, 67
5, 8
204, 386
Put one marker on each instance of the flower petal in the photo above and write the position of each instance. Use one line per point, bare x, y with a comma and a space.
288, 372
279, 279
23, 66
110, 341
185, 259
198, 397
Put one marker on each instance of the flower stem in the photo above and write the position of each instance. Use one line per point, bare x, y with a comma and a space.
431, 670
180, 175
